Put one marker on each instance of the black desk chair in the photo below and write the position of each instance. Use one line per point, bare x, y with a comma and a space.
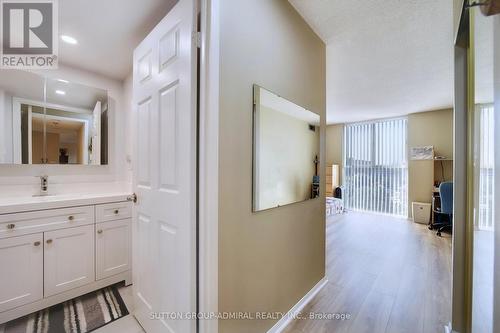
446, 196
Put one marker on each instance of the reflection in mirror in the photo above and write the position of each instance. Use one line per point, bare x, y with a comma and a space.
285, 151
51, 121
484, 176
21, 127
75, 115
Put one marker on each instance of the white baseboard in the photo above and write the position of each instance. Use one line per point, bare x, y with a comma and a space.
293, 312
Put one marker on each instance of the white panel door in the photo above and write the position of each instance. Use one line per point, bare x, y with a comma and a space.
112, 248
68, 259
164, 249
21, 263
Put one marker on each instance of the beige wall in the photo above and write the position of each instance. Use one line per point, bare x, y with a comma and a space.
334, 146
434, 128
268, 260
286, 152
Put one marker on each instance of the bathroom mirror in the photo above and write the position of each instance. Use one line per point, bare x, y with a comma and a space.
286, 151
51, 121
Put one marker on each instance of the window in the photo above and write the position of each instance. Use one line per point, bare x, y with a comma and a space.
376, 167
485, 159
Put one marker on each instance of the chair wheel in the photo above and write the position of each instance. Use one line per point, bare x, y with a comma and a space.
430, 227
438, 233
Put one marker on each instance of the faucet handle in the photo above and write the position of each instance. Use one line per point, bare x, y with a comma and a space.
43, 177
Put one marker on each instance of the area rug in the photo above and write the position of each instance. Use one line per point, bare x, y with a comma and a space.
78, 315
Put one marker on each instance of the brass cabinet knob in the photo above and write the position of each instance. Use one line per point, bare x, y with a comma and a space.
49, 241
37, 243
117, 211
99, 231
71, 218
11, 226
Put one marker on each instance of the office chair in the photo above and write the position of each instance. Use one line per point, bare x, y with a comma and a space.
446, 195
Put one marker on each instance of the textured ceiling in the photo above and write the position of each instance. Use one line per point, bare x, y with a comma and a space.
384, 58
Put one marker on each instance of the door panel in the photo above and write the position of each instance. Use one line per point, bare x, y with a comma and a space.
69, 259
165, 172
21, 260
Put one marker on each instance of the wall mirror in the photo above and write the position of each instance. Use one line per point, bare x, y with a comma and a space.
51, 121
286, 151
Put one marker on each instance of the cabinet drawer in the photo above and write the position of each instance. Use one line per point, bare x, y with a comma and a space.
44, 220
113, 211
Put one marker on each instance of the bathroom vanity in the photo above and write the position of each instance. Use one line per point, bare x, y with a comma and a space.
55, 248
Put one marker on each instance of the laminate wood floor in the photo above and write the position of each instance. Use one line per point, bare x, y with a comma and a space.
389, 274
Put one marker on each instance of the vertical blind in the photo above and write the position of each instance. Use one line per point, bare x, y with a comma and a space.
485, 157
376, 167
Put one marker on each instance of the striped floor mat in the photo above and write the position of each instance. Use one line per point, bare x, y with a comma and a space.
78, 315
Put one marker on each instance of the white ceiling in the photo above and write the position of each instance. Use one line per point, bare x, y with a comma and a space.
384, 58
76, 95
26, 85
107, 32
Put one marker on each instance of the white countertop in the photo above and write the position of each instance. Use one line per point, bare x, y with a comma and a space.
30, 203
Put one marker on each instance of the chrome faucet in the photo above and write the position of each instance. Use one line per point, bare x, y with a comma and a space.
44, 185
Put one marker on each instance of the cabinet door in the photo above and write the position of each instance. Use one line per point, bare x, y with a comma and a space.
69, 259
21, 263
112, 248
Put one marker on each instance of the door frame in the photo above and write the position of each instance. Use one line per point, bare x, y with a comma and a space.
496, 86
208, 166
463, 233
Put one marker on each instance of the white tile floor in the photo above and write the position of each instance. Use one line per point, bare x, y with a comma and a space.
127, 324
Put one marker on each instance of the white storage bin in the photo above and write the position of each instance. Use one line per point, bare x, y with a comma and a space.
421, 212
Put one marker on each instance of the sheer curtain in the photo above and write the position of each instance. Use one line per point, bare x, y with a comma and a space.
376, 167
485, 164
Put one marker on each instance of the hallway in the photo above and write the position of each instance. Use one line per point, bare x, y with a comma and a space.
389, 274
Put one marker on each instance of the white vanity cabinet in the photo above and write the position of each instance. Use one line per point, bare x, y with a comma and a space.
113, 250
50, 256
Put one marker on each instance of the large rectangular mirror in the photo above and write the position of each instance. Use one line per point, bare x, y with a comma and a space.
286, 151
51, 121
